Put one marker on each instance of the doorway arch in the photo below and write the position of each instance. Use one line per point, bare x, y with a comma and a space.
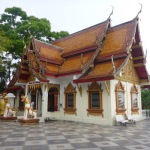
52, 104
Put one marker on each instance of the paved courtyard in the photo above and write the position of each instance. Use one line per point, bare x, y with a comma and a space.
74, 136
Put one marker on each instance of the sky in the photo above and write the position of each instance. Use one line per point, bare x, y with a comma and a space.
75, 15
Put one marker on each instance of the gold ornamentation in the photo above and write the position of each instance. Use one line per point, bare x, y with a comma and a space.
134, 92
144, 81
129, 74
134, 89
138, 58
119, 88
34, 86
138, 65
95, 112
94, 86
80, 89
135, 111
70, 88
70, 111
107, 85
51, 85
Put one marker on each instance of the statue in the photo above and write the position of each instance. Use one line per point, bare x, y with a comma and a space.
28, 110
2, 104
8, 109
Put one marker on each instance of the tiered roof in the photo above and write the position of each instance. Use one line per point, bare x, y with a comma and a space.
83, 41
97, 53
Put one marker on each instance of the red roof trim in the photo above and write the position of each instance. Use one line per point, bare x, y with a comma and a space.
50, 74
93, 79
42, 80
14, 88
57, 62
70, 73
115, 57
146, 86
75, 52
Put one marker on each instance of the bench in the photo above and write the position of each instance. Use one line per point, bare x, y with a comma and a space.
130, 118
121, 120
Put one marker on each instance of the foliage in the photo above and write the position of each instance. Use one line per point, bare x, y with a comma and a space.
4, 44
18, 27
4, 41
3, 78
145, 99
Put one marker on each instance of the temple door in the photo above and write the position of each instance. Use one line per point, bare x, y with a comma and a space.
56, 102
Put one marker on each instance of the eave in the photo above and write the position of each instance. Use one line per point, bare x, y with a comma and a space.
69, 73
108, 58
94, 79
57, 62
80, 51
14, 88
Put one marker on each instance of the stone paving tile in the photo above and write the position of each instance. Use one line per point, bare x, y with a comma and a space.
66, 135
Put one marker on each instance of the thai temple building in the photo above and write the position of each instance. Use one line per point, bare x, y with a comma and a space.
88, 76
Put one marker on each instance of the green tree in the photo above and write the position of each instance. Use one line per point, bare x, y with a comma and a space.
17, 26
4, 41
145, 99
4, 44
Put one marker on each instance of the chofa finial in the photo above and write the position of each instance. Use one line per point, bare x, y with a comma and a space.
111, 11
140, 9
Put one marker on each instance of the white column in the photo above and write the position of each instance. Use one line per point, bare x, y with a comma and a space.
44, 99
26, 89
139, 102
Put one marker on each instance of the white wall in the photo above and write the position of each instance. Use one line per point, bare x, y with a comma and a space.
127, 96
109, 102
81, 104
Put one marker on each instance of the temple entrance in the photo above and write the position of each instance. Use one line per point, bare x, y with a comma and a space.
36, 100
52, 99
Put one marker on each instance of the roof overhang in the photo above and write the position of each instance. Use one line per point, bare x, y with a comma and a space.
93, 79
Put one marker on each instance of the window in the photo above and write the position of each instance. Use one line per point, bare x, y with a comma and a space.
70, 99
95, 99
120, 101
134, 99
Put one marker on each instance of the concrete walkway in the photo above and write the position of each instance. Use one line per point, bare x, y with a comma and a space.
72, 135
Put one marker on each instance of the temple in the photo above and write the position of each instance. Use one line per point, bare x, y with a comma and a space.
89, 76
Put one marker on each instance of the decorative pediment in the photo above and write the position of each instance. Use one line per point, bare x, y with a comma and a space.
34, 86
70, 88
51, 85
119, 87
128, 73
94, 86
134, 89
107, 85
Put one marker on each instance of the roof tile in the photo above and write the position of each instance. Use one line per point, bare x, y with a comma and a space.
82, 40
118, 39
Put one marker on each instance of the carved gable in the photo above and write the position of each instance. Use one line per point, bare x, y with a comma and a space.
94, 86
119, 87
70, 88
134, 89
129, 73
